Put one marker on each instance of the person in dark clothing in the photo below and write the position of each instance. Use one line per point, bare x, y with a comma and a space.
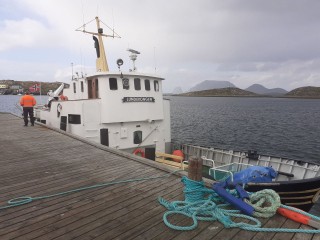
27, 102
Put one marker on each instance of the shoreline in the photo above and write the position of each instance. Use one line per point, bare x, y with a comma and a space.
260, 96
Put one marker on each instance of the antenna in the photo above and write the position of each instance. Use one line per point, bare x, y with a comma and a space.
101, 62
72, 71
133, 56
155, 60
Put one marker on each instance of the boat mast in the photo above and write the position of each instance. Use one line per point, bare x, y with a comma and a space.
101, 62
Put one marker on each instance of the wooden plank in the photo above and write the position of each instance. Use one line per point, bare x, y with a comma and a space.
210, 231
122, 223
38, 220
201, 227
50, 204
302, 236
82, 217
168, 162
243, 234
275, 222
166, 155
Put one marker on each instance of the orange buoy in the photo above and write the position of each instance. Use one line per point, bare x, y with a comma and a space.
178, 153
139, 152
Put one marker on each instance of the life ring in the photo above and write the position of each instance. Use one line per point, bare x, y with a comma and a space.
139, 152
59, 108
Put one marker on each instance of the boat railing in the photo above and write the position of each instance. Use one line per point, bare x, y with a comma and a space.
228, 170
218, 157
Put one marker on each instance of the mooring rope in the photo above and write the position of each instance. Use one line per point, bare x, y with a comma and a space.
200, 203
198, 208
27, 199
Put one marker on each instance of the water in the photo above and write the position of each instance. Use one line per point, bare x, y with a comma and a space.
274, 126
10, 103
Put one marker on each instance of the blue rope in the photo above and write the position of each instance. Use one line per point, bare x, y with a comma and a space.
198, 208
27, 199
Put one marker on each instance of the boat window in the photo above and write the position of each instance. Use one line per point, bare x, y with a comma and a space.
137, 137
113, 84
137, 84
156, 86
125, 83
82, 86
74, 119
90, 95
74, 87
96, 88
147, 84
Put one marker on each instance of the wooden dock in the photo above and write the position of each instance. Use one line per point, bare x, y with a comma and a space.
37, 161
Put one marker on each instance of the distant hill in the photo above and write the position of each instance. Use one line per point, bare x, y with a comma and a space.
177, 90
211, 84
306, 92
221, 92
45, 86
259, 89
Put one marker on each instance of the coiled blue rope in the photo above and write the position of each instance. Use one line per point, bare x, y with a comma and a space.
198, 208
27, 199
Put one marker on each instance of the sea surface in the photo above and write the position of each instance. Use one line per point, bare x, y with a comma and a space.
275, 126
10, 103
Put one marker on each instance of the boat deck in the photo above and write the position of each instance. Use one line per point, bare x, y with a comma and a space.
38, 161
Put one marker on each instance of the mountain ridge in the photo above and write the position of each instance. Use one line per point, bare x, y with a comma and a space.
260, 89
211, 84
221, 92
255, 90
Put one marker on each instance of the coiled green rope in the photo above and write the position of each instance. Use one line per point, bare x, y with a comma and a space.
265, 203
197, 208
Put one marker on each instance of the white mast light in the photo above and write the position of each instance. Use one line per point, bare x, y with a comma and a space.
133, 56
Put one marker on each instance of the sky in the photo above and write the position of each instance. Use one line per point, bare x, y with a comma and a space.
275, 43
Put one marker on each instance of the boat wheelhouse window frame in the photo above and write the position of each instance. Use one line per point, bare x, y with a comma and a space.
81, 86
137, 84
137, 137
74, 88
156, 85
113, 84
147, 85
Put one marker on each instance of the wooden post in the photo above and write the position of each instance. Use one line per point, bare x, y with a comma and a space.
195, 169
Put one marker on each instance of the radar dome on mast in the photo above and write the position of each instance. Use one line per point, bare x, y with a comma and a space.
133, 56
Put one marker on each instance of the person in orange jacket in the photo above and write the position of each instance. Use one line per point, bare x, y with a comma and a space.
27, 102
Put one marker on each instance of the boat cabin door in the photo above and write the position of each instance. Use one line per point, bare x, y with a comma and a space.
93, 88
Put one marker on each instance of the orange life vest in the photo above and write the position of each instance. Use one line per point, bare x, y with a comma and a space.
27, 101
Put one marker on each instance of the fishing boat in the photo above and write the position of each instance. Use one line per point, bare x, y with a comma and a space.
120, 109
297, 182
126, 110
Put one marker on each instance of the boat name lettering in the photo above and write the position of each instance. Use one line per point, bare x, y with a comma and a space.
138, 99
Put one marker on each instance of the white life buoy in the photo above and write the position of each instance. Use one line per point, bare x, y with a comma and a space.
59, 108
